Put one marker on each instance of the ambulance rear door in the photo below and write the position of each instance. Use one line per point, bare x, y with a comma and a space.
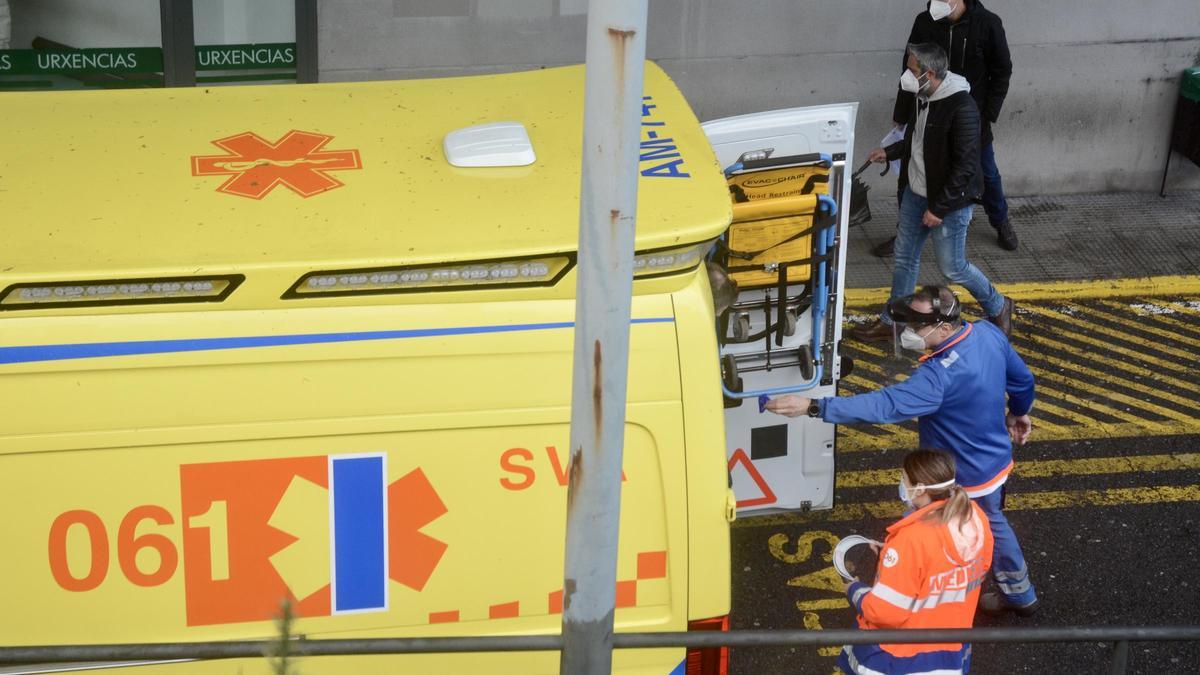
777, 463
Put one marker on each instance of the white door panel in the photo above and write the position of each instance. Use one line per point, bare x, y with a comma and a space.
776, 463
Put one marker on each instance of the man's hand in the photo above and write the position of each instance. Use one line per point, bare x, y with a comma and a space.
1019, 427
930, 220
790, 405
878, 155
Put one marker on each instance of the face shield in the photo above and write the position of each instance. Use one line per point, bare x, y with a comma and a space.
910, 327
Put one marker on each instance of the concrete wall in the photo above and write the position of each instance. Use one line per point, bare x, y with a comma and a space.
1093, 90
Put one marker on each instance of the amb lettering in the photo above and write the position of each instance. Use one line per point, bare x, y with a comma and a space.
658, 149
521, 466
247, 56
105, 60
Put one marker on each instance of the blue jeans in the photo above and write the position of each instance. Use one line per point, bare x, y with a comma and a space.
949, 247
994, 203
1008, 563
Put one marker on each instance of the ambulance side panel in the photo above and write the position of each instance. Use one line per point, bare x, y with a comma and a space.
162, 489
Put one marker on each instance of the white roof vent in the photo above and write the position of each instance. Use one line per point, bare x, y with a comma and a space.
496, 144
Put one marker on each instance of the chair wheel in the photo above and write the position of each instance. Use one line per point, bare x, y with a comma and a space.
807, 368
741, 328
789, 326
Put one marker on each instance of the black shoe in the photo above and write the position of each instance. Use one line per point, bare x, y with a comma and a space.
994, 604
1005, 236
884, 250
1003, 320
873, 332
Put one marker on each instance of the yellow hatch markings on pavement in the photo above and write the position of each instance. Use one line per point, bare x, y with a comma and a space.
1103, 391
1049, 467
1136, 371
1095, 380
1014, 501
1104, 330
1112, 311
1044, 290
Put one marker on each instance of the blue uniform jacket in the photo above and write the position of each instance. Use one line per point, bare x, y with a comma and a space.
957, 395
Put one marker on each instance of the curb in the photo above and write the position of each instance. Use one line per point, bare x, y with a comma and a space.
1049, 290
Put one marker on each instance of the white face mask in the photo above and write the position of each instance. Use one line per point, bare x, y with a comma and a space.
907, 498
914, 341
938, 9
910, 83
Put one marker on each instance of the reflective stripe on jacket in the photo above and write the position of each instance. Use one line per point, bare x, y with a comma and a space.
923, 581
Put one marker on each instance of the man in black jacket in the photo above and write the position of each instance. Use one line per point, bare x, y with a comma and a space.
940, 178
977, 48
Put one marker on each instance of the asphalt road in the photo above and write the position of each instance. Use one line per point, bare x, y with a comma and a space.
1105, 499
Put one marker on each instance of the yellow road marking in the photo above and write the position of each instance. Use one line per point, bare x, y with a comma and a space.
1106, 396
1075, 321
1050, 290
850, 440
1117, 363
1103, 309
1050, 467
1123, 383
869, 367
818, 605
893, 509
1183, 307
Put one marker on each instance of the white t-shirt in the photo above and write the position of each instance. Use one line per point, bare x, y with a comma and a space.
916, 160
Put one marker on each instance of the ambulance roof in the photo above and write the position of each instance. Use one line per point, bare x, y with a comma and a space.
113, 184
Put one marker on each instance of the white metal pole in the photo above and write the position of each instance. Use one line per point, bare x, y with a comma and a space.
616, 51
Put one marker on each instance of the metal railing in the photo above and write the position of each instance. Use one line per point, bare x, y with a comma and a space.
1118, 636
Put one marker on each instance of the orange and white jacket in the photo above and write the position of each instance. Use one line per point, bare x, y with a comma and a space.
929, 576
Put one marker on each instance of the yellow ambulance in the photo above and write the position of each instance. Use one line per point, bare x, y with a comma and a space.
314, 343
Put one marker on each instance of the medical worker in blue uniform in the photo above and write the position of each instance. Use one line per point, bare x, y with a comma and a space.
967, 377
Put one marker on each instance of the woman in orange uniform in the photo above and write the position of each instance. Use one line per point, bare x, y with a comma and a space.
930, 569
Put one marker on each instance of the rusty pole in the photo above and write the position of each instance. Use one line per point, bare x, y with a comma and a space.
616, 51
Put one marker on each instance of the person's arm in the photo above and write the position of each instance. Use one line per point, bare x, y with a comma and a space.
897, 150
888, 604
1018, 382
921, 394
999, 71
964, 157
1019, 385
904, 99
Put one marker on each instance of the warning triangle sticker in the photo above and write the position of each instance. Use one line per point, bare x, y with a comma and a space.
768, 496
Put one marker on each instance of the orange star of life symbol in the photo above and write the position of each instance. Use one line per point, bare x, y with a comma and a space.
255, 166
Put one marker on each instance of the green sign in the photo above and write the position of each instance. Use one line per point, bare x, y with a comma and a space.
246, 57
80, 61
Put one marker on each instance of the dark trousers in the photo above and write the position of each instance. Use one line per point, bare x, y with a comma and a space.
994, 202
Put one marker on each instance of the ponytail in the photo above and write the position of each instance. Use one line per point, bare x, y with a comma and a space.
957, 508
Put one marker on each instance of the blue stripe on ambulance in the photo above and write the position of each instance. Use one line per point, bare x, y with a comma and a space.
34, 353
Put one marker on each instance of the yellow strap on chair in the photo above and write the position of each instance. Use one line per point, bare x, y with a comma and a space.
766, 231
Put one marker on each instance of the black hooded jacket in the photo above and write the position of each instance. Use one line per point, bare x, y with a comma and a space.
953, 178
977, 49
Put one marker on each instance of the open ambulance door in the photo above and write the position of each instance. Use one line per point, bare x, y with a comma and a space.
788, 179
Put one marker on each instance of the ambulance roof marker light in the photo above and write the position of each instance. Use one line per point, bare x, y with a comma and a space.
105, 292
489, 145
